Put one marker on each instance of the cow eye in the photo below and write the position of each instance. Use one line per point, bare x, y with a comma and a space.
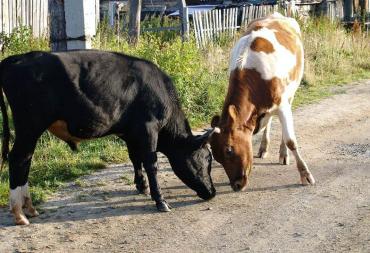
229, 151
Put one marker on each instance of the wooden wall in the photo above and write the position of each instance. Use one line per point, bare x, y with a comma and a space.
33, 13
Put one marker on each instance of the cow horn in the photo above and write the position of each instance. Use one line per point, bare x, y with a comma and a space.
200, 140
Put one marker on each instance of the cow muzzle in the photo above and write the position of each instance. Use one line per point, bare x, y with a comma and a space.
240, 184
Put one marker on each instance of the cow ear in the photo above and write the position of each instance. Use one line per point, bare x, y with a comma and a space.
215, 121
233, 113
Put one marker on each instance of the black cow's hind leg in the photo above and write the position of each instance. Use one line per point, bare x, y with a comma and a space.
19, 164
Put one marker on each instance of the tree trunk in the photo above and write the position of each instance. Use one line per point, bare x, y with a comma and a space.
57, 25
134, 21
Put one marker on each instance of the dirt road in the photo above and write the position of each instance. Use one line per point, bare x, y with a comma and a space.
103, 213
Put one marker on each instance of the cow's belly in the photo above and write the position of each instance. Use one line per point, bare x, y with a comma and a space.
286, 98
60, 129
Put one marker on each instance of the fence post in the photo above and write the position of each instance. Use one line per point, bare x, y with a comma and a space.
80, 23
58, 36
348, 10
184, 16
134, 21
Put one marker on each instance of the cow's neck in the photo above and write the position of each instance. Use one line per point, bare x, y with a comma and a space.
239, 95
176, 132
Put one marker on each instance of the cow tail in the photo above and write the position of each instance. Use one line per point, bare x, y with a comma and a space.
6, 131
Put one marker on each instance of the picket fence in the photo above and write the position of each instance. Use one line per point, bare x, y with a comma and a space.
212, 25
31, 13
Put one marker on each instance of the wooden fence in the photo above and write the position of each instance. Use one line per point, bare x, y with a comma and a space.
250, 13
32, 13
211, 25
334, 10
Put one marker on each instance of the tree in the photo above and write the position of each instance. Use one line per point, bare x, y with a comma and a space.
58, 36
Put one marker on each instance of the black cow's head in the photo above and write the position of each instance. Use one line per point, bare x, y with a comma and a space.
192, 164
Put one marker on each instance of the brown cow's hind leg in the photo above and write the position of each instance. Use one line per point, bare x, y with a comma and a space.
265, 141
283, 154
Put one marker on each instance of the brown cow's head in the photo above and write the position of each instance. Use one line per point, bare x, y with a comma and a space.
232, 147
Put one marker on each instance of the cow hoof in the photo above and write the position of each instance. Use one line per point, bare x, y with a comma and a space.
284, 160
143, 190
307, 179
31, 212
21, 220
142, 187
163, 206
262, 154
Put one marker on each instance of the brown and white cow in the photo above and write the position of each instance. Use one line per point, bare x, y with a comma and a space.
266, 68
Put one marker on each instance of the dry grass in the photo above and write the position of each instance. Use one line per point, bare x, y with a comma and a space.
334, 55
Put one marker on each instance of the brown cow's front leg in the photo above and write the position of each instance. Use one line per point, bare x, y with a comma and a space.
286, 119
150, 165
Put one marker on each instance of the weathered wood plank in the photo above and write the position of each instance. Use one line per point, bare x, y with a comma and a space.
1, 16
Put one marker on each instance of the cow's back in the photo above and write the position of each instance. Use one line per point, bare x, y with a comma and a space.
94, 92
271, 54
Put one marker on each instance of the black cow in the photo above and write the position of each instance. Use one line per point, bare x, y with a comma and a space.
81, 95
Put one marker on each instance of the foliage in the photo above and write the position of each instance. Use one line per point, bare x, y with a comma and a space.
198, 75
20, 41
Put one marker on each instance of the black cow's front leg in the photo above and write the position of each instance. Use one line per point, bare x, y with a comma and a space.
140, 181
150, 165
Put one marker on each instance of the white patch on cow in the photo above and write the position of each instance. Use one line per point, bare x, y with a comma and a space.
289, 91
291, 21
239, 53
264, 121
19, 194
16, 197
276, 64
286, 120
17, 200
26, 191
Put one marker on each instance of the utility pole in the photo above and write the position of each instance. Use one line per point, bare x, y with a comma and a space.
134, 21
72, 23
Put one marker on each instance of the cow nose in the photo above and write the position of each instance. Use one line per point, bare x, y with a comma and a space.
237, 186
240, 184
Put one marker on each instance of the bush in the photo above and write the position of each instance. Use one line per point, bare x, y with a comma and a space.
21, 41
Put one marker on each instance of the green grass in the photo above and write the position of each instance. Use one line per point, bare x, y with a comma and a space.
333, 57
